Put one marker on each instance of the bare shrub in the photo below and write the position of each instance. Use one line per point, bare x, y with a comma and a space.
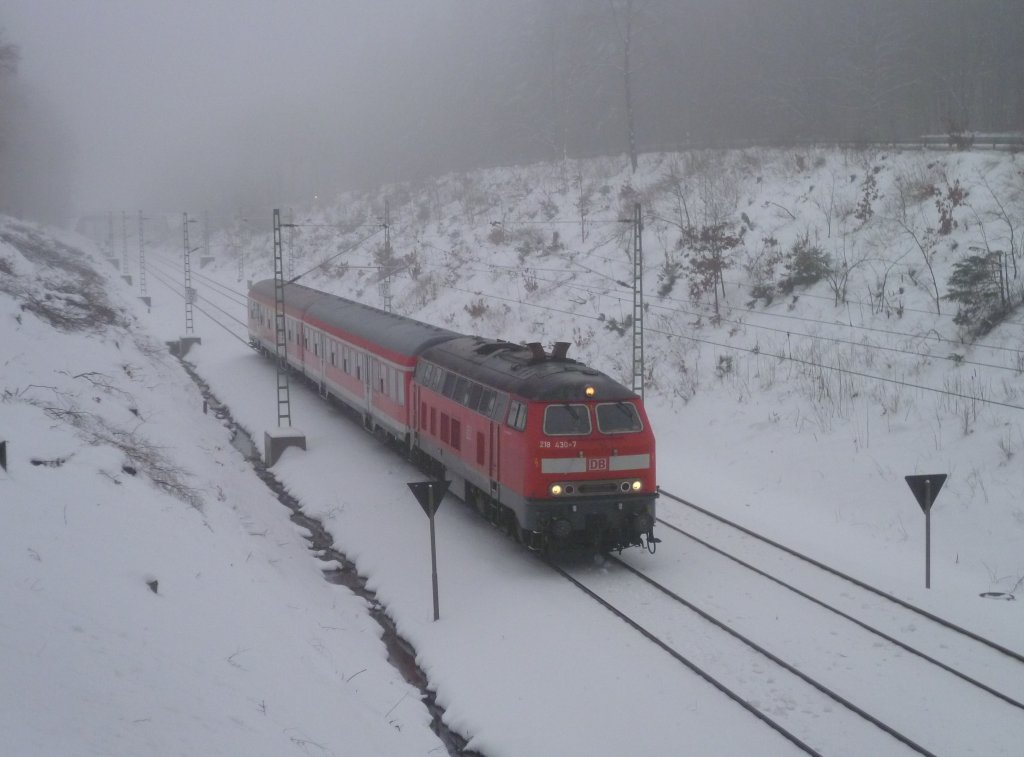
66, 291
143, 456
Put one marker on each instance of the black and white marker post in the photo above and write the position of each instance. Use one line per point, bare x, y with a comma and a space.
926, 489
429, 494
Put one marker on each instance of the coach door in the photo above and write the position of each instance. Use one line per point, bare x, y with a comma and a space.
321, 342
368, 379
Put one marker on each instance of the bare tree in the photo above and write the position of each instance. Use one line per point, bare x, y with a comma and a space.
923, 239
1011, 222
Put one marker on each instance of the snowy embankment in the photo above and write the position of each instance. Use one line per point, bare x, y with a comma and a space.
156, 599
749, 420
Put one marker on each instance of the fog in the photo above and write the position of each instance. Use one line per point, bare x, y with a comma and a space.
171, 105
221, 104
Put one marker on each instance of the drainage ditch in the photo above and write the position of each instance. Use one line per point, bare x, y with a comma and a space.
401, 654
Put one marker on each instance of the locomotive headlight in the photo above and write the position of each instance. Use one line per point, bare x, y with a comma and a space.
556, 489
589, 391
636, 486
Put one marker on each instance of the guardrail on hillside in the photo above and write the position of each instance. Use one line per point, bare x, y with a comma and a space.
1007, 141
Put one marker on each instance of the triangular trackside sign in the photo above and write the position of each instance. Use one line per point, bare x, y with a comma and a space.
429, 494
925, 486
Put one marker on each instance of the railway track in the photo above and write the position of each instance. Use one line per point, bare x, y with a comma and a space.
889, 617
814, 717
812, 651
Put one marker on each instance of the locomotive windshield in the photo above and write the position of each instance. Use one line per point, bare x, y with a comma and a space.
566, 420
618, 418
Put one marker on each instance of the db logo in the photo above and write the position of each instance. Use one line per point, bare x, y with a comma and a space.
597, 463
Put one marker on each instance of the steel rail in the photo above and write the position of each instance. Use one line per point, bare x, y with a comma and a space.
777, 660
692, 666
857, 582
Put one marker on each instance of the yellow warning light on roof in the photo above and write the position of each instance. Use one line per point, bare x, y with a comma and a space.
589, 391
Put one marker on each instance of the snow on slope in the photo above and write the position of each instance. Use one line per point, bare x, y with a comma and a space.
787, 447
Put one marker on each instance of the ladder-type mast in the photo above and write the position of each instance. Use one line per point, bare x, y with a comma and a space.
190, 293
142, 257
638, 302
124, 242
284, 412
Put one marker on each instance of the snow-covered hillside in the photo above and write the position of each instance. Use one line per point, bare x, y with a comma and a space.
801, 406
156, 599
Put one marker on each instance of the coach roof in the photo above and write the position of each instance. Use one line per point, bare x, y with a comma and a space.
396, 333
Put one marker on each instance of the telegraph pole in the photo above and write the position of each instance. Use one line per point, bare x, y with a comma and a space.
124, 245
385, 282
236, 242
110, 237
287, 261
206, 233
638, 302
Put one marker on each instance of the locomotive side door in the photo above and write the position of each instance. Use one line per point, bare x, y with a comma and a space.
494, 457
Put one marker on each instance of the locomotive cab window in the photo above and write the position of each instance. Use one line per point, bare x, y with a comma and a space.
566, 420
618, 418
449, 385
517, 415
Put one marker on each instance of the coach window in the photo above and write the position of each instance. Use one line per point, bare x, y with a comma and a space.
456, 435
566, 420
618, 418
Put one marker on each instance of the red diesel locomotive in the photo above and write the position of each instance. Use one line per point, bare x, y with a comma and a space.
551, 450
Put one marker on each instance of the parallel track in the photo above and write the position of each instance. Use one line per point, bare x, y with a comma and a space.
1011, 654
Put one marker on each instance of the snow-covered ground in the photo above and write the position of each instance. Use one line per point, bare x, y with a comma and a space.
243, 648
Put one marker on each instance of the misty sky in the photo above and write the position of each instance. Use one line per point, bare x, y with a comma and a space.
221, 105
186, 104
